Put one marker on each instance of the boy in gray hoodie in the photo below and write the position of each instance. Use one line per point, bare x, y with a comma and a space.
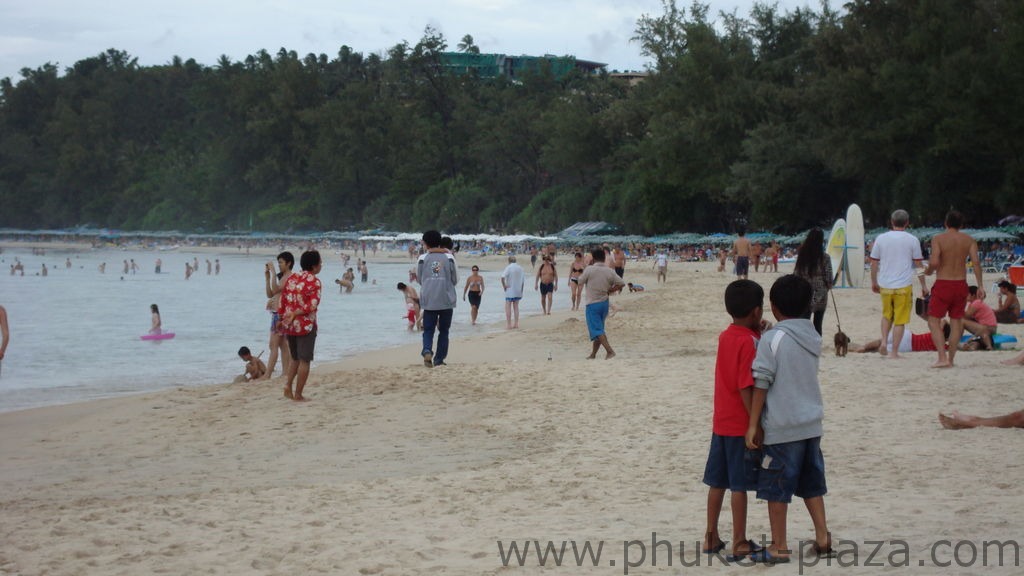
438, 276
785, 418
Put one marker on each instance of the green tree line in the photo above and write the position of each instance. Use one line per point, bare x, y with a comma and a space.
775, 120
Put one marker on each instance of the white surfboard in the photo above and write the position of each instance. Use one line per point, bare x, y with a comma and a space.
836, 244
854, 267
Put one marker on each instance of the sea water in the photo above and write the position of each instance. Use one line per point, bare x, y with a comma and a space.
75, 333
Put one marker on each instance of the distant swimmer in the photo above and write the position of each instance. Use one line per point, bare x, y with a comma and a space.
346, 282
156, 327
159, 263
412, 306
5, 332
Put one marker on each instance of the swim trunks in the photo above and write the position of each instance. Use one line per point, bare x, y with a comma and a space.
742, 265
516, 299
948, 297
474, 299
546, 288
897, 303
620, 271
595, 314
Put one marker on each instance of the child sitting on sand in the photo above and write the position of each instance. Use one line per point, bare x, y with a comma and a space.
635, 287
254, 367
786, 419
730, 465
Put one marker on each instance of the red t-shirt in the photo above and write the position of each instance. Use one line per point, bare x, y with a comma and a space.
737, 347
922, 342
301, 293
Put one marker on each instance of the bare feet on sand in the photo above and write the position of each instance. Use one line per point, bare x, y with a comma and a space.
955, 421
288, 392
609, 356
945, 364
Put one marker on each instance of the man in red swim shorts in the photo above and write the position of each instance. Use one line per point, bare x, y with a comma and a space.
950, 251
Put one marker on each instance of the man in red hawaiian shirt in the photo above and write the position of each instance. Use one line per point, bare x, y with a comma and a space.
300, 298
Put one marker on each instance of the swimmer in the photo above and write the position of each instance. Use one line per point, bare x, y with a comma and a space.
156, 327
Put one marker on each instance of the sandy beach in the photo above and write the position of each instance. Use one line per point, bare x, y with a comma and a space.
392, 468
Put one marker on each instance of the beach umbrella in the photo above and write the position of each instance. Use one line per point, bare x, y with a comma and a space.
989, 235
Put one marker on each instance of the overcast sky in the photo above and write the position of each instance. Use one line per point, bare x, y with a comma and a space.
62, 32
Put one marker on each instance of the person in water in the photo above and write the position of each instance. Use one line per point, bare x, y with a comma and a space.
156, 327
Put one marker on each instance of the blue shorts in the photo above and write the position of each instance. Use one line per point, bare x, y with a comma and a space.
792, 468
596, 313
730, 465
516, 299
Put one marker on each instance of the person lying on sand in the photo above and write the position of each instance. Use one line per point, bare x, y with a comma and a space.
1017, 360
958, 421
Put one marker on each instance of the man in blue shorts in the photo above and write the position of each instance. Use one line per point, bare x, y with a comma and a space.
512, 280
599, 281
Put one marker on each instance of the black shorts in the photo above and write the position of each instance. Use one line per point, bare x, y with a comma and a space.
301, 347
546, 288
474, 299
621, 272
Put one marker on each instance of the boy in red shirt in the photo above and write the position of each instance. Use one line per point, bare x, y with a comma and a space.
730, 465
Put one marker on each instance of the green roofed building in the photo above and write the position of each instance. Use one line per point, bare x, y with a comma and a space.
513, 67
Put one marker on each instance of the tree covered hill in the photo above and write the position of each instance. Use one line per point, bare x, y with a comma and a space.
776, 120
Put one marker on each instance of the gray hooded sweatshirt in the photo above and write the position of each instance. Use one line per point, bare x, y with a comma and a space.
786, 366
438, 276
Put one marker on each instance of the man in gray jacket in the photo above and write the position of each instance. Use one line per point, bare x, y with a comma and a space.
787, 410
438, 277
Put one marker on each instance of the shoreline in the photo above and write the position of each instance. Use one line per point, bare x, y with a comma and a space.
325, 365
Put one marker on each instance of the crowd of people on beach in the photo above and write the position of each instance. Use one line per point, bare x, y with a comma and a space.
768, 410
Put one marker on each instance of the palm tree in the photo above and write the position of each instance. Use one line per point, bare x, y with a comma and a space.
467, 45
